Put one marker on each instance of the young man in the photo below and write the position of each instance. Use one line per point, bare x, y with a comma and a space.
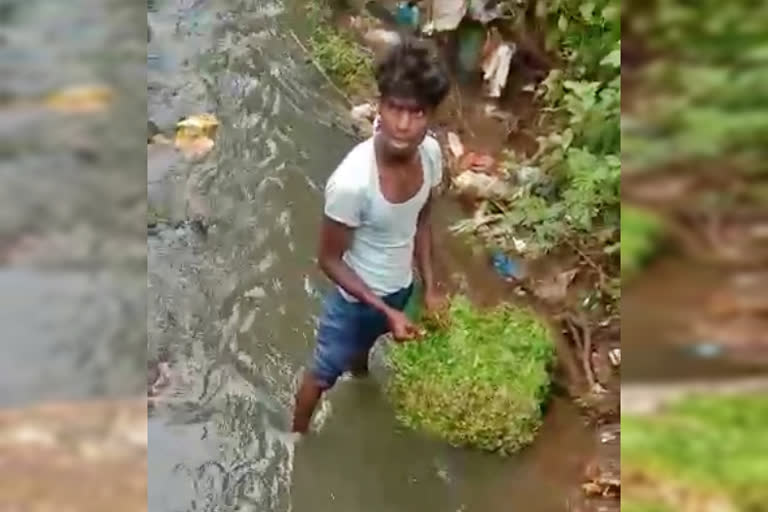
377, 219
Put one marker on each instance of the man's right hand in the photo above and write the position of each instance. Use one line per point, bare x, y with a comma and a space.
401, 327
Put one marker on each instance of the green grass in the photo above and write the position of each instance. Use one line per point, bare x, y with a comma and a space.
641, 231
477, 380
712, 446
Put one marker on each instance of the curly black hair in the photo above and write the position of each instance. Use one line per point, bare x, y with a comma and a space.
413, 70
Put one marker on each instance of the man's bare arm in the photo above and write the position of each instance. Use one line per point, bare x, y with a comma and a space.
334, 241
423, 248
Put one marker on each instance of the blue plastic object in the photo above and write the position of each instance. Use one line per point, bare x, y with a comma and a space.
506, 266
407, 15
706, 349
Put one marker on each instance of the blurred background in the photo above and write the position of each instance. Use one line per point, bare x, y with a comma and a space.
72, 254
695, 256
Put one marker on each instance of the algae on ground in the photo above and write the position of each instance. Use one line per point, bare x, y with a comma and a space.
479, 379
712, 447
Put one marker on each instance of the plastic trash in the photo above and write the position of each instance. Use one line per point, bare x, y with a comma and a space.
363, 112
454, 143
478, 10
480, 185
496, 68
507, 267
195, 135
447, 14
615, 356
471, 38
407, 14
706, 349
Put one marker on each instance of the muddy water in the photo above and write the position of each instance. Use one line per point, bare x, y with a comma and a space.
659, 312
235, 309
72, 201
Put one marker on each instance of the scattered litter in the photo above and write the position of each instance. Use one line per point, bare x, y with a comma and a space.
615, 356
477, 162
471, 43
380, 40
364, 112
200, 125
519, 245
479, 11
447, 14
195, 135
607, 437
706, 349
554, 288
160, 138
80, 99
604, 487
527, 174
506, 266
454, 143
481, 185
496, 68
407, 14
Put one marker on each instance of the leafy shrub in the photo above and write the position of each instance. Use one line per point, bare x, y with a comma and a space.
640, 232
708, 97
583, 32
479, 379
575, 191
572, 184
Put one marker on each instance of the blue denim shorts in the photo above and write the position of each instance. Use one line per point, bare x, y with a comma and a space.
347, 329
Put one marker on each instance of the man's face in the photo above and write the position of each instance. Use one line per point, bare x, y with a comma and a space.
403, 125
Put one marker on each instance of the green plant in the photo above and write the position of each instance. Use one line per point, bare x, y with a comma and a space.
479, 379
584, 33
706, 87
706, 445
574, 188
570, 187
640, 234
337, 52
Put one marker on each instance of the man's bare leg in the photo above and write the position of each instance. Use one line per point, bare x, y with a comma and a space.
307, 397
